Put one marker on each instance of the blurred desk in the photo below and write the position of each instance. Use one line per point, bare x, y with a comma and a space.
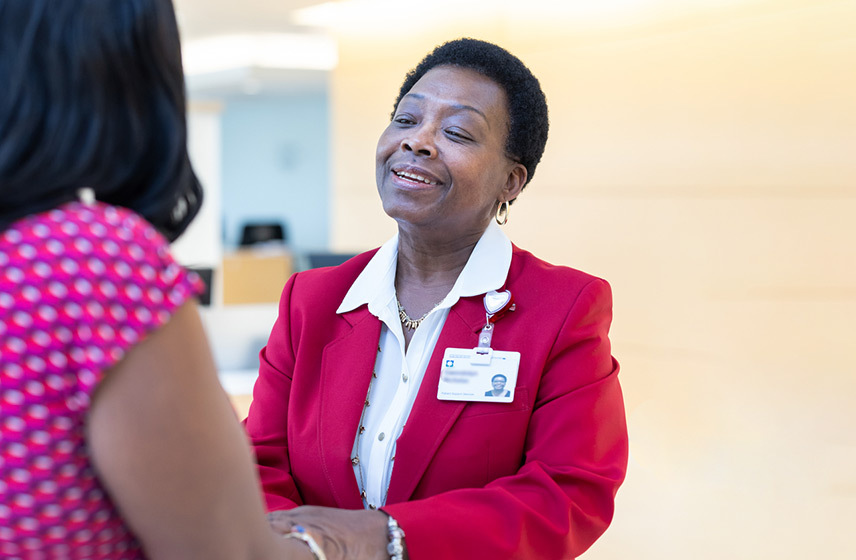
256, 274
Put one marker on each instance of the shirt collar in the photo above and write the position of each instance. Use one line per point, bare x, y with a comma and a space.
486, 270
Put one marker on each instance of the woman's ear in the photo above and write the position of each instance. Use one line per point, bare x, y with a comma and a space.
515, 182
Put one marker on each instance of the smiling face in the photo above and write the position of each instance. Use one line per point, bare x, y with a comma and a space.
498, 383
441, 163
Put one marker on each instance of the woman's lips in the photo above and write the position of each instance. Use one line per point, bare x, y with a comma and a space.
415, 176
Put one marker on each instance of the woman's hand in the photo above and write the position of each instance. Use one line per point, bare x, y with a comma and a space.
343, 534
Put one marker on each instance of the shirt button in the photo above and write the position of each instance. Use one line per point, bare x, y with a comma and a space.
404, 377
381, 436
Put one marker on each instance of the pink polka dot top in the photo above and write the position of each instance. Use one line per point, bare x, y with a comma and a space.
79, 286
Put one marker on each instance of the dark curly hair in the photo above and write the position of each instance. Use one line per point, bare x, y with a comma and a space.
527, 105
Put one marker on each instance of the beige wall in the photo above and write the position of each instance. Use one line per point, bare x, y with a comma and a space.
703, 159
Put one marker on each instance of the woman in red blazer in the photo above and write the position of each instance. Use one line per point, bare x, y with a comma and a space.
370, 419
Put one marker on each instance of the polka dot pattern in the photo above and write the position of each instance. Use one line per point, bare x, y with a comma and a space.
79, 286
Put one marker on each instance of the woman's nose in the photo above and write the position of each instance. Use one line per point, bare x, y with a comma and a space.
421, 142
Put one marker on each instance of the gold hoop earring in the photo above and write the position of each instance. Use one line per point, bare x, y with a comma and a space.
502, 212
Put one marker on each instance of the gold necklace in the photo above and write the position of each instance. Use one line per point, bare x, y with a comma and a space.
355, 460
406, 321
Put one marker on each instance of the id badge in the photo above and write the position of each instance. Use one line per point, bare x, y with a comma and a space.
468, 374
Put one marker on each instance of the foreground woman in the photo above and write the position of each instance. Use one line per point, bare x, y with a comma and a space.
116, 439
379, 389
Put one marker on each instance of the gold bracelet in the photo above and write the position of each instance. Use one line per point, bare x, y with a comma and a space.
298, 532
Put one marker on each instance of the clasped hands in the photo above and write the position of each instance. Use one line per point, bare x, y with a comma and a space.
343, 534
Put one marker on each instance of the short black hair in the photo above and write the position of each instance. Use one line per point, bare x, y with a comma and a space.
498, 375
93, 96
527, 105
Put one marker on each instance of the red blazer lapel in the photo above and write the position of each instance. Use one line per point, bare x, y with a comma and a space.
431, 419
346, 368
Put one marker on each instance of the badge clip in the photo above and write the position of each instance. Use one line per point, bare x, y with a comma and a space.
495, 306
483, 353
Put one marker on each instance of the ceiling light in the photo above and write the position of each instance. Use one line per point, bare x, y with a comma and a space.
271, 50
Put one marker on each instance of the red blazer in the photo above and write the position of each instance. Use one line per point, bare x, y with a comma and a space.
532, 479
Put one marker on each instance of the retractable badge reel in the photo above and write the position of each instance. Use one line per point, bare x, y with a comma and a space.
496, 304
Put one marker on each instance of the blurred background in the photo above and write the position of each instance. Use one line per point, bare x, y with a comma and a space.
702, 158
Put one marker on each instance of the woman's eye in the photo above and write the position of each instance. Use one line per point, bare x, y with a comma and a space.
457, 134
403, 120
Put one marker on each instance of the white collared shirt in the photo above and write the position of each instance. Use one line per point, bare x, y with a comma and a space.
400, 373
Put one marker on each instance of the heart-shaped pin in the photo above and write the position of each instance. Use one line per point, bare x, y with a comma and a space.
496, 302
